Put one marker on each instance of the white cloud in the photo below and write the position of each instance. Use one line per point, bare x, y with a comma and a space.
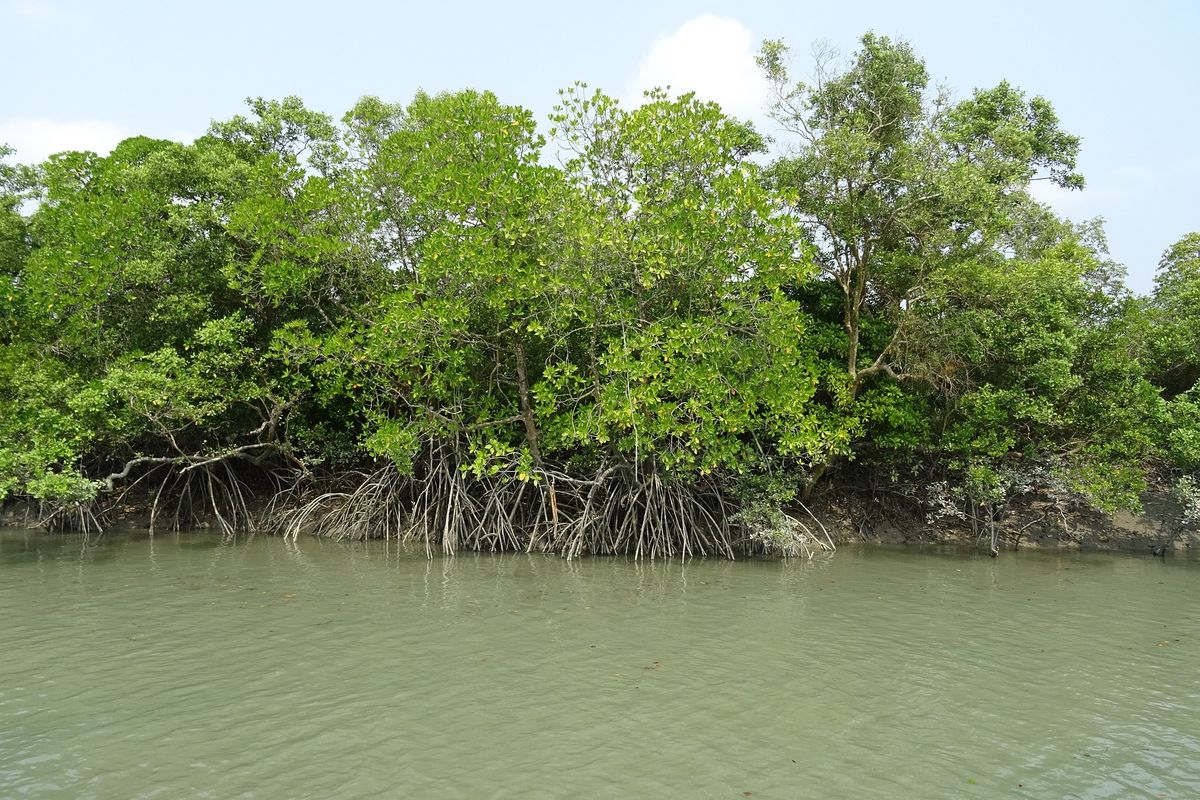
711, 56
38, 11
35, 139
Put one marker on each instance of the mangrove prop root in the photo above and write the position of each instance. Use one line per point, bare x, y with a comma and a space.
620, 509
617, 511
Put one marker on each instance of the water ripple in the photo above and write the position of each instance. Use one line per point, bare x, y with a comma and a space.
190, 666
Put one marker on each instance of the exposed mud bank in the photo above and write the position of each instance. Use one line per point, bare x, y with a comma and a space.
850, 518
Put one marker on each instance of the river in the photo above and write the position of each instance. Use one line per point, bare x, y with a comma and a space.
190, 666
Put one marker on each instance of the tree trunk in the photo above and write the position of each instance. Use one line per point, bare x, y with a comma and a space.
531, 431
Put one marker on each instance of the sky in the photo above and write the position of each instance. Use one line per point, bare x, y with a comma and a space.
1123, 76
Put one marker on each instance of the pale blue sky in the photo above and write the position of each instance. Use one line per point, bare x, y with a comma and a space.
1125, 78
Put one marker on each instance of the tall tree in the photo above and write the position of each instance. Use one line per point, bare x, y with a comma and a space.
1174, 316
894, 185
1175, 309
696, 344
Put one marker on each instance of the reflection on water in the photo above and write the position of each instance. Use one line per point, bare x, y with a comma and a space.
195, 666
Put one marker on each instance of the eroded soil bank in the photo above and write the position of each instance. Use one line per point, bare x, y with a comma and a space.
1159, 526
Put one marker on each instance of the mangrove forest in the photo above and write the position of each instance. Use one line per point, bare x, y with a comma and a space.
653, 330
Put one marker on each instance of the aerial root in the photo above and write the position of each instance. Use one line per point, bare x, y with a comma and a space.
442, 504
79, 516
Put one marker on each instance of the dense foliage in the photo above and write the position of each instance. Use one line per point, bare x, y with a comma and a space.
627, 334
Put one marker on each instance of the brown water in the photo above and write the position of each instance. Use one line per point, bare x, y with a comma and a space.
189, 666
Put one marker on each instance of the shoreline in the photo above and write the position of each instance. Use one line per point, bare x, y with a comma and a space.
1158, 525
850, 520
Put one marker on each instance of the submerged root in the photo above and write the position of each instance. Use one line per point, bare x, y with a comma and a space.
452, 511
623, 511
618, 511
372, 507
441, 502
182, 494
440, 505
194, 496
787, 536
79, 516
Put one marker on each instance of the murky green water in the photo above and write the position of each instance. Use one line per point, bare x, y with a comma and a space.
192, 667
